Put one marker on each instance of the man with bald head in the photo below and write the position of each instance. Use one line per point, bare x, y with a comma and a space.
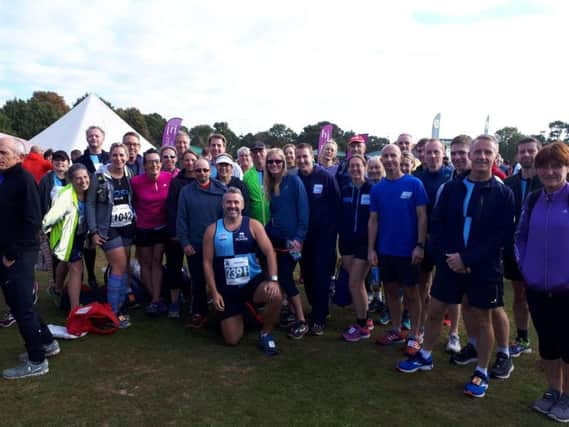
35, 163
199, 205
397, 242
20, 221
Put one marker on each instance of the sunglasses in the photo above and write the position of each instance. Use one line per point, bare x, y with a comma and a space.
274, 161
168, 157
204, 170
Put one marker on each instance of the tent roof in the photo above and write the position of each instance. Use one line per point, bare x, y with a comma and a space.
68, 133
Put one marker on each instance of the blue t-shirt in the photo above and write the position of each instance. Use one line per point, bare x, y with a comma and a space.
467, 219
395, 202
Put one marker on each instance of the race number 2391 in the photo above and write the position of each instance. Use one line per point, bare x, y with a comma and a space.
236, 271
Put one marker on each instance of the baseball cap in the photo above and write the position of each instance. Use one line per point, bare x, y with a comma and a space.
357, 138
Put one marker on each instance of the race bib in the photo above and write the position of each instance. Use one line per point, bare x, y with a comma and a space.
236, 271
121, 216
317, 189
365, 199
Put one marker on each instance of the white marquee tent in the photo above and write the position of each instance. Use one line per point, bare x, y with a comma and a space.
68, 133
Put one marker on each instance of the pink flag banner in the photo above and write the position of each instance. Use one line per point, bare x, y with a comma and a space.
325, 135
170, 130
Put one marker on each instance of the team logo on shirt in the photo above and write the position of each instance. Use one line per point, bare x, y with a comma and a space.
241, 237
406, 194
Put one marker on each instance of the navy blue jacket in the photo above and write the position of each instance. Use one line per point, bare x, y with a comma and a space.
324, 202
491, 208
432, 181
355, 212
289, 211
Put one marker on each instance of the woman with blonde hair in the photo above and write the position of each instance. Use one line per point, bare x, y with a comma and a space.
287, 228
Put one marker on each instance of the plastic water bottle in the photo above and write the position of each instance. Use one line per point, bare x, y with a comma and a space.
295, 254
375, 276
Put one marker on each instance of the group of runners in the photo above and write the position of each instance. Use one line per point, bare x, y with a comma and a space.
243, 225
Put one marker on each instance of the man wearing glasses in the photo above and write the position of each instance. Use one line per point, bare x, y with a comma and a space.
199, 205
134, 162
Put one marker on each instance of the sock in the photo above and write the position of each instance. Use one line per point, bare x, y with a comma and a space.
505, 350
114, 287
472, 340
522, 335
425, 354
482, 370
361, 322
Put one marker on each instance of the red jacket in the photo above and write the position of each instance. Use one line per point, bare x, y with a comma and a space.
35, 164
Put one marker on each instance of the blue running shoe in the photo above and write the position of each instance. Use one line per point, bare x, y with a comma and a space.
268, 345
415, 363
477, 386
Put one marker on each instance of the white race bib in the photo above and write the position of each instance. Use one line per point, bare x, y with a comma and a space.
121, 216
317, 189
236, 271
365, 199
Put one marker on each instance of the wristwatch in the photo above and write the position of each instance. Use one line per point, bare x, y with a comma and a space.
273, 278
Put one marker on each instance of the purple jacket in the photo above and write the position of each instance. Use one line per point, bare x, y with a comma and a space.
542, 242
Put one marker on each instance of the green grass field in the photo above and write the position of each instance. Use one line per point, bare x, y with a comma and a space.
160, 373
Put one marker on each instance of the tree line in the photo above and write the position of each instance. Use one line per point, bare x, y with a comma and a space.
27, 118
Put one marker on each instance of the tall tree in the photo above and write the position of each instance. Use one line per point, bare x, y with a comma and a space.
279, 135
508, 138
28, 118
230, 136
559, 131
5, 124
51, 98
199, 134
155, 123
136, 120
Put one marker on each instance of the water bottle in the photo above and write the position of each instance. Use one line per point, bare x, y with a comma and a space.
375, 276
294, 253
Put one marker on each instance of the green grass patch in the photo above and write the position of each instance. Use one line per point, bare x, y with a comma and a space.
158, 372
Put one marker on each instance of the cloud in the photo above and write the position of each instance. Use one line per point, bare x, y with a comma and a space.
367, 66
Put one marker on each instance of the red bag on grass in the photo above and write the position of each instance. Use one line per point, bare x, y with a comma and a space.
95, 317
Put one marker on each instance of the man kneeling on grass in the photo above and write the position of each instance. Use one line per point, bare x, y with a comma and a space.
234, 276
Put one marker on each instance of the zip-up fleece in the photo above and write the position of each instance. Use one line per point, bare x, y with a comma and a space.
542, 242
355, 212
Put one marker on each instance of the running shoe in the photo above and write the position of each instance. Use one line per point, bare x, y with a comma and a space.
412, 348
415, 363
197, 321
520, 347
560, 411
375, 306
369, 325
356, 333
467, 355
391, 337
453, 344
50, 351
174, 310
287, 320
406, 321
298, 331
502, 367
317, 329
384, 317
124, 321
267, 344
7, 320
544, 404
152, 309
477, 386
162, 306
26, 369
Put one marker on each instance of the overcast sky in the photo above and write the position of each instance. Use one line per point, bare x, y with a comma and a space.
370, 66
